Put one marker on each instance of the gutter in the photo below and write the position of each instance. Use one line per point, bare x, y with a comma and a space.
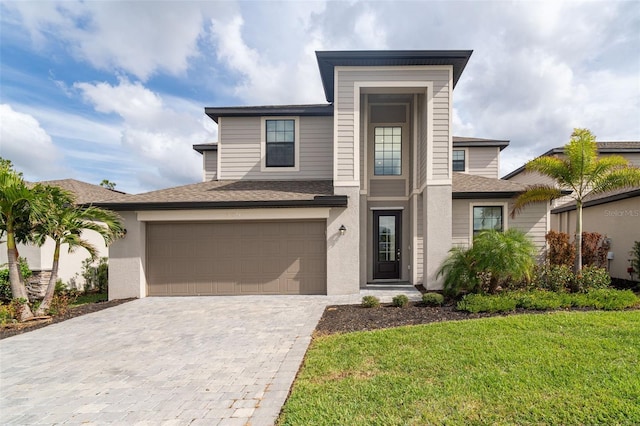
604, 200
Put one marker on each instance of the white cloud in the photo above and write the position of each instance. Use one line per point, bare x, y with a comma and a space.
27, 145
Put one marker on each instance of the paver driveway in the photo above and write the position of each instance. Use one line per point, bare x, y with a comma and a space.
188, 360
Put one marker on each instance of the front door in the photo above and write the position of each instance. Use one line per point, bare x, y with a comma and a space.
387, 229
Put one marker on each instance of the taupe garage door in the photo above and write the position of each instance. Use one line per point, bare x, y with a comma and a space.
224, 258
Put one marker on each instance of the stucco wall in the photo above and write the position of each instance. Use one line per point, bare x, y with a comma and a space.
343, 251
127, 261
437, 232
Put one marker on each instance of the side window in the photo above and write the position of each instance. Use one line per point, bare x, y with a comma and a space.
280, 143
388, 151
458, 160
487, 217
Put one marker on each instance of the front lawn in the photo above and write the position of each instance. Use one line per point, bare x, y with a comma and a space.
557, 368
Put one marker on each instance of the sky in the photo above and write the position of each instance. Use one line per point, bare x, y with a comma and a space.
116, 90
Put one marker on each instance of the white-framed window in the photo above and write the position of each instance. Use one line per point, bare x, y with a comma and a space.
459, 160
484, 216
387, 151
280, 144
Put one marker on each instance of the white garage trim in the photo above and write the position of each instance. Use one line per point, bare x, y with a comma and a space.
234, 214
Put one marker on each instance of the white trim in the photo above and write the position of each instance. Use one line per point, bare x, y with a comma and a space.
414, 139
387, 198
438, 182
296, 145
219, 154
466, 159
505, 217
395, 67
346, 183
234, 214
450, 120
365, 141
386, 208
414, 241
429, 162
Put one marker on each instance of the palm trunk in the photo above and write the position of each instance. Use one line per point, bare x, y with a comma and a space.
578, 236
18, 289
51, 287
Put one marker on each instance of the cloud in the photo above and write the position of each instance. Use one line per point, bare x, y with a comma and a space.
139, 38
158, 136
27, 145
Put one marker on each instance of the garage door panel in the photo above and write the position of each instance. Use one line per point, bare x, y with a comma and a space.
236, 258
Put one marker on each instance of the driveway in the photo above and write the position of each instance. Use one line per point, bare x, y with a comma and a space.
168, 360
174, 361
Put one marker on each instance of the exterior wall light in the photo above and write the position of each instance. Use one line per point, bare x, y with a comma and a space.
342, 229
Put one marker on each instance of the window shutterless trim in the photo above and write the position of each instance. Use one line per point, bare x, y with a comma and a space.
264, 149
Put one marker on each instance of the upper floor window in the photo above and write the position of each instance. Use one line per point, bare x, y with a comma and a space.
280, 141
459, 160
388, 151
487, 217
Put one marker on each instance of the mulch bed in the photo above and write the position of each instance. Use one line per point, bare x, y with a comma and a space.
9, 330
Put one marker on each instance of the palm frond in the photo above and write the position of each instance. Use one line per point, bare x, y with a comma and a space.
553, 167
535, 194
617, 179
581, 153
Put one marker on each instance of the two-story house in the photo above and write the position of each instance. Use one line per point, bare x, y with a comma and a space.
370, 187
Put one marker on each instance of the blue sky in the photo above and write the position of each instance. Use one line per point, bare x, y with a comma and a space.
116, 90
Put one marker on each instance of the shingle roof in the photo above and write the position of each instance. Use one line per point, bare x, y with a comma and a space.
473, 186
233, 194
269, 110
86, 193
611, 147
602, 198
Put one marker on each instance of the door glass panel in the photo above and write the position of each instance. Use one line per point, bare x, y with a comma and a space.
386, 238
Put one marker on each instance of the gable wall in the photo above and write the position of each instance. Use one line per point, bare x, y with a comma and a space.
210, 164
484, 161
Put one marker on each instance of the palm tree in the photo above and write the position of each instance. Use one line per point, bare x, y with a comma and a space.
64, 223
580, 171
18, 208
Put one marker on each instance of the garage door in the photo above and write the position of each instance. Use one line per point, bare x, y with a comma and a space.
225, 258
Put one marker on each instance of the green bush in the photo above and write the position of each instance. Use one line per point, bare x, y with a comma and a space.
400, 301
475, 303
96, 276
607, 299
553, 277
541, 300
591, 278
635, 257
432, 299
5, 284
370, 302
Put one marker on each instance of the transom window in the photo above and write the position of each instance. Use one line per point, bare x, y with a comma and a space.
458, 160
487, 217
280, 143
388, 151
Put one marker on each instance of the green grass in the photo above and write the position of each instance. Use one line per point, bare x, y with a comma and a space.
85, 298
558, 368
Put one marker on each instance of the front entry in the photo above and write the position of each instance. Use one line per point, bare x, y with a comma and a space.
387, 229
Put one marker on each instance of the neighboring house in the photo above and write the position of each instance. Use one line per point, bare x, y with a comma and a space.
40, 259
325, 199
615, 214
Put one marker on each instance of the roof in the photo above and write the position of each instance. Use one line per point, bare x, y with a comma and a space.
613, 147
234, 194
202, 147
474, 186
328, 60
86, 193
463, 141
603, 198
269, 110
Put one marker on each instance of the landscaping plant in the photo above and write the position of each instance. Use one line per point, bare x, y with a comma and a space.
635, 257
400, 301
5, 285
433, 299
370, 302
561, 251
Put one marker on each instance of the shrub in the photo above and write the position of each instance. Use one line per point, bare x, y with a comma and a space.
553, 277
561, 251
432, 299
594, 249
635, 257
591, 278
11, 311
495, 260
607, 299
5, 284
96, 276
400, 301
542, 300
475, 303
370, 302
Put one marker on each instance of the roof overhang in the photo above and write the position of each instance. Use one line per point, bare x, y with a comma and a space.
604, 200
483, 195
270, 111
463, 142
328, 60
202, 147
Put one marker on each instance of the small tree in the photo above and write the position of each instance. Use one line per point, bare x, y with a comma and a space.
106, 183
581, 172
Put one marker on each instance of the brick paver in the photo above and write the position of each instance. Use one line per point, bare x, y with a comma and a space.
173, 361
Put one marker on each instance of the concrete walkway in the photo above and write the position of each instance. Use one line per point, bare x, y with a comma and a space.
173, 361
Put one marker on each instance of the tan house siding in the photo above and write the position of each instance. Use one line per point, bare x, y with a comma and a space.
210, 164
346, 79
483, 161
422, 141
618, 220
241, 154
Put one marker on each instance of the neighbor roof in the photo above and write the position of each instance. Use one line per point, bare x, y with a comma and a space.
474, 186
269, 110
328, 60
86, 193
603, 198
614, 147
234, 194
462, 141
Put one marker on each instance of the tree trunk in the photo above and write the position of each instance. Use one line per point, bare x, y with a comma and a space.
18, 289
578, 237
51, 287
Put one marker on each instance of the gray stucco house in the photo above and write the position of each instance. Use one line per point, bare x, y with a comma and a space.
371, 187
